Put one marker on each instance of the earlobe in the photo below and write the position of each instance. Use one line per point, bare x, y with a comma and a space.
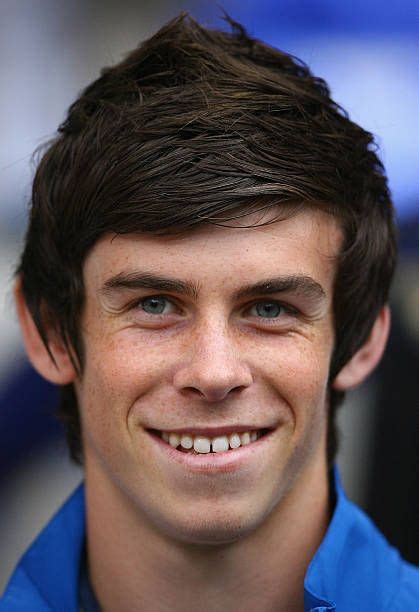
61, 372
367, 357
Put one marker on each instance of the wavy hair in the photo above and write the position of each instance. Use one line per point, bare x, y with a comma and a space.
199, 126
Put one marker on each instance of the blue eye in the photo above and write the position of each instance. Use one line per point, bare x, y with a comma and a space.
154, 304
268, 310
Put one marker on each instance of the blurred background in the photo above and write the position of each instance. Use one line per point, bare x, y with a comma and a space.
367, 51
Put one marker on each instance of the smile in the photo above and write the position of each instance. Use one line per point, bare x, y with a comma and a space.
214, 450
199, 443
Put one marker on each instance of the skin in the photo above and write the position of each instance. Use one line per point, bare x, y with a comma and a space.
211, 358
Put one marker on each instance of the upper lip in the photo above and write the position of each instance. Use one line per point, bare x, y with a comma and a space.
211, 432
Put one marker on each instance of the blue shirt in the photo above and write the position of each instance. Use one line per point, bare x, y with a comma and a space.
353, 570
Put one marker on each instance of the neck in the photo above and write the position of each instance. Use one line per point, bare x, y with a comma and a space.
135, 567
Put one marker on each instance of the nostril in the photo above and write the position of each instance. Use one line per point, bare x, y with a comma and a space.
213, 394
212, 380
193, 391
238, 389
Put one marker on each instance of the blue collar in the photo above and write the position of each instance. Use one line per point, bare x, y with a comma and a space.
351, 561
354, 567
52, 562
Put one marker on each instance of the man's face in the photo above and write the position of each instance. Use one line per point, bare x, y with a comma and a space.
223, 331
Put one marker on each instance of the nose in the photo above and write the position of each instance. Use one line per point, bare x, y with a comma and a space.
214, 368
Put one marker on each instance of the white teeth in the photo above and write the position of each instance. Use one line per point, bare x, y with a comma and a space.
186, 441
234, 440
202, 445
245, 438
174, 440
220, 444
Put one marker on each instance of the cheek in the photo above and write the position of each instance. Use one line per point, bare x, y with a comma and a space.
124, 375
298, 371
308, 399
311, 372
299, 361
123, 367
301, 383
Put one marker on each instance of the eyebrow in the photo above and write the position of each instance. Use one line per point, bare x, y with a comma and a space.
296, 283
147, 280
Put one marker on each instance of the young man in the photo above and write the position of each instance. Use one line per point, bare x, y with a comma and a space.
205, 273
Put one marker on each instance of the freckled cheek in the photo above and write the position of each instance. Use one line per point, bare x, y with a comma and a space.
124, 367
299, 375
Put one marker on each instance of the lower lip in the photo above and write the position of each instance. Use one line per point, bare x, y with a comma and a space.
223, 462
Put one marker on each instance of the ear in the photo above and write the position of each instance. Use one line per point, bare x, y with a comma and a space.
62, 371
367, 357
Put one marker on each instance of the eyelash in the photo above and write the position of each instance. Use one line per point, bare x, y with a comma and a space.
286, 308
151, 297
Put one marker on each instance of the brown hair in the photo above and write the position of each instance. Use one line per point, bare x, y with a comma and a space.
195, 126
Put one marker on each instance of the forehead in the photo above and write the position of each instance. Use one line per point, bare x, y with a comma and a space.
306, 243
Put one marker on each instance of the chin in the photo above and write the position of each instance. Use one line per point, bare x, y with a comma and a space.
213, 526
211, 533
